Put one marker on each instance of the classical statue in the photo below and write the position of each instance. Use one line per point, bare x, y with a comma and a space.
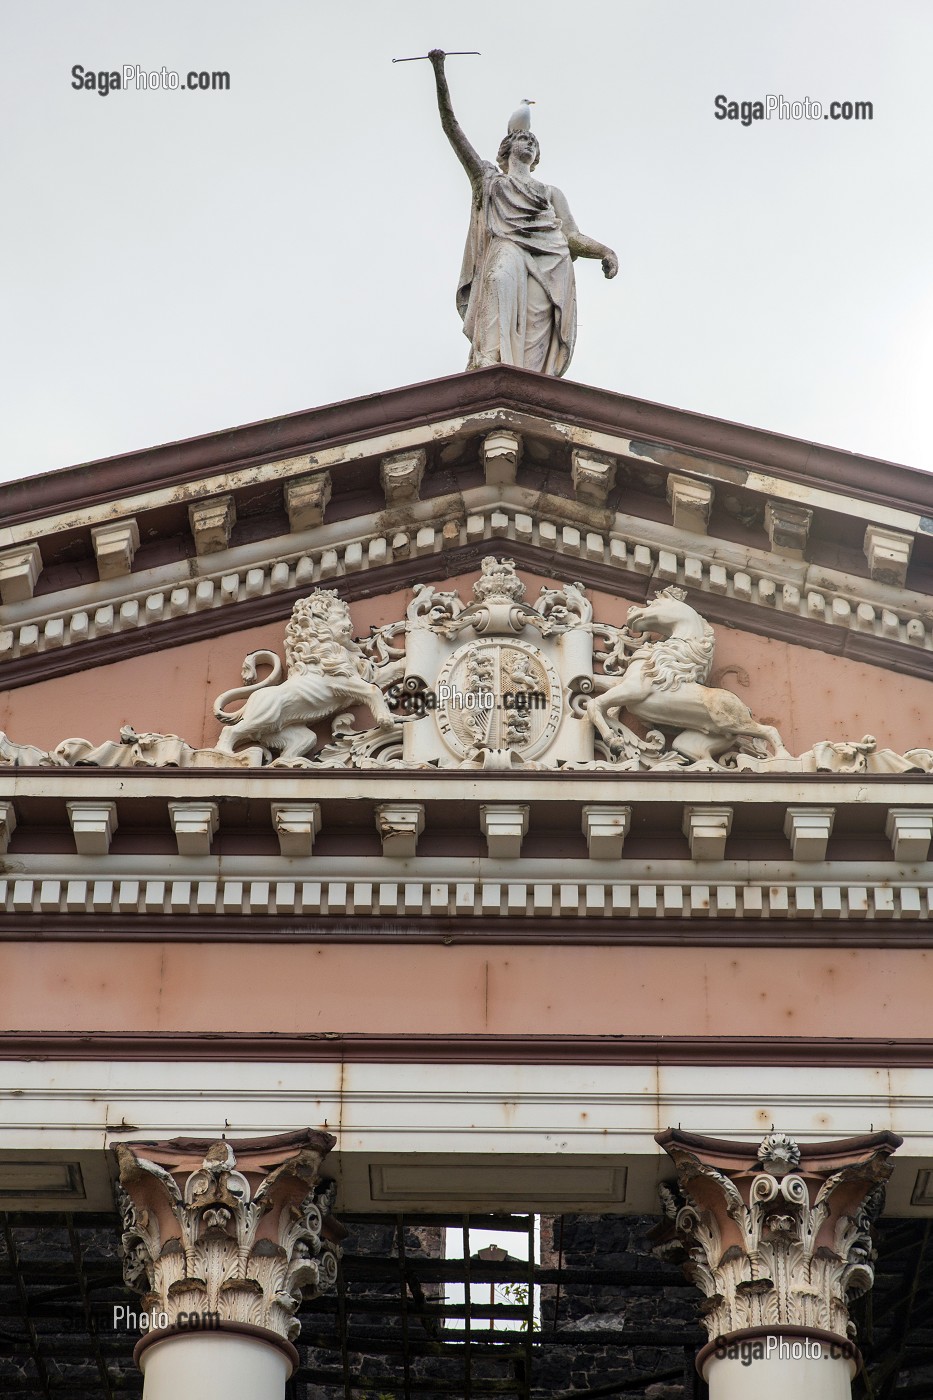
326, 671
516, 292
663, 682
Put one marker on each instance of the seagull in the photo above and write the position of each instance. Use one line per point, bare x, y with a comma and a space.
520, 120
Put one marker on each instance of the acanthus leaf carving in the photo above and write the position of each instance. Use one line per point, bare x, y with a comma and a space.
243, 1245
775, 1250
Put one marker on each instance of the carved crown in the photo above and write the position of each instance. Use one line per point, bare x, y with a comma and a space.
498, 583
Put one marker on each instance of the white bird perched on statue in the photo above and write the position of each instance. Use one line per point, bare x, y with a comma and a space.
520, 120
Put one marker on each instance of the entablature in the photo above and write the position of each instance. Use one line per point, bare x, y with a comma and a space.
478, 856
557, 1131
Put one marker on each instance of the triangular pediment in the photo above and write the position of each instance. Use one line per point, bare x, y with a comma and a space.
152, 586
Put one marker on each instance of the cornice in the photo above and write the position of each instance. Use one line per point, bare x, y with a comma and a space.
718, 1050
866, 927
367, 899
598, 410
858, 791
825, 609
731, 858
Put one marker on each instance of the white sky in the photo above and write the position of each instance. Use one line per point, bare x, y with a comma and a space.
174, 262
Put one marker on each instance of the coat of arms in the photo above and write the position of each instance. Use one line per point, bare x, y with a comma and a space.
497, 683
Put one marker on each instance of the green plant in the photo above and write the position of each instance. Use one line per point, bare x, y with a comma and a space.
517, 1294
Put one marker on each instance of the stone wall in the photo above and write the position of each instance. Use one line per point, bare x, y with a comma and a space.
631, 1321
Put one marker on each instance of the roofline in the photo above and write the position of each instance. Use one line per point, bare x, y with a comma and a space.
474, 391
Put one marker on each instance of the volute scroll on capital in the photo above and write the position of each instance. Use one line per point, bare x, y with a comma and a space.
778, 1236
239, 1231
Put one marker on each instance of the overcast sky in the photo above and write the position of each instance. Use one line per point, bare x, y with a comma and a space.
179, 262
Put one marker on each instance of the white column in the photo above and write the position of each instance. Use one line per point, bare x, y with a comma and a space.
213, 1366
776, 1366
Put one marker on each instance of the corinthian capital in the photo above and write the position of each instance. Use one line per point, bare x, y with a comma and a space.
237, 1230
776, 1235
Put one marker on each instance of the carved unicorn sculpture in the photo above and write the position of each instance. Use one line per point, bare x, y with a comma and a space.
663, 683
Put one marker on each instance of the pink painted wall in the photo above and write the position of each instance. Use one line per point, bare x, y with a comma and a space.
807, 695
558, 990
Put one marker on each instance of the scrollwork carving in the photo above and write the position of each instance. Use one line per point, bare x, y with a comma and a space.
628, 698
243, 1245
790, 1245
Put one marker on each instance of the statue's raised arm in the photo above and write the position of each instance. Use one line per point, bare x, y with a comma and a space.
516, 292
452, 129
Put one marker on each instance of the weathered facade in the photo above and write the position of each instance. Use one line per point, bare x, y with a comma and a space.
563, 834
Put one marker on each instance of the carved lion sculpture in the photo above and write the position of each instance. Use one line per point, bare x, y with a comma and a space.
326, 671
663, 683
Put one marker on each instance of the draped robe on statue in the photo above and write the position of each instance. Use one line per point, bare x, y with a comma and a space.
516, 293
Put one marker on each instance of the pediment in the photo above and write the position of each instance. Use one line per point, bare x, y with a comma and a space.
138, 601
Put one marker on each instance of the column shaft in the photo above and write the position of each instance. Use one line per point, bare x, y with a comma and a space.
222, 1366
808, 1378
